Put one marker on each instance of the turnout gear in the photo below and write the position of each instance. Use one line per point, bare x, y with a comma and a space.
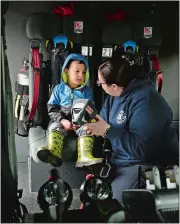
85, 157
53, 152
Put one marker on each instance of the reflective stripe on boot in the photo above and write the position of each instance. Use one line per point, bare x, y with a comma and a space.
85, 157
53, 153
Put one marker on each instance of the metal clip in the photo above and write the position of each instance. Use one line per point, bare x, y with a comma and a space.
159, 72
35, 44
108, 166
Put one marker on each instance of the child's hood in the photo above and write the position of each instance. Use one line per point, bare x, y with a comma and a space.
77, 57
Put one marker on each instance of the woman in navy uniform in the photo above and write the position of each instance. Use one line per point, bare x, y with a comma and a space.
137, 121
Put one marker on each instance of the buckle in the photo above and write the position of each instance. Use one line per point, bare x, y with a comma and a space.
159, 72
105, 170
106, 151
35, 44
37, 69
27, 125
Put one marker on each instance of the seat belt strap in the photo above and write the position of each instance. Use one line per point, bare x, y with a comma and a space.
36, 85
158, 72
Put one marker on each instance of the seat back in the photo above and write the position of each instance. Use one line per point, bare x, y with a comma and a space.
85, 33
39, 27
147, 34
43, 26
38, 134
114, 34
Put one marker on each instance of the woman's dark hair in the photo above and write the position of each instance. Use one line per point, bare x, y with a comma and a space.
71, 60
118, 70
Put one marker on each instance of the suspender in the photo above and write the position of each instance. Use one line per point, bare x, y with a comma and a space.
36, 67
158, 73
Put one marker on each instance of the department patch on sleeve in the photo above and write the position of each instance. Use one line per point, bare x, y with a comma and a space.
121, 117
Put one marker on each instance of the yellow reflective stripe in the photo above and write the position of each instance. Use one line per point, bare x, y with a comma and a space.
46, 43
137, 48
71, 43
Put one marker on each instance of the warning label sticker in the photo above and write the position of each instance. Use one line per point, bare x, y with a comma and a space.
148, 32
78, 27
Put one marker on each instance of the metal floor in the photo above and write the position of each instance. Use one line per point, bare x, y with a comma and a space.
29, 199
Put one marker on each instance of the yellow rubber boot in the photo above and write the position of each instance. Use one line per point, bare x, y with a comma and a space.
85, 157
53, 153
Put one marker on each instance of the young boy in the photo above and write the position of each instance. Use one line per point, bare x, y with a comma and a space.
75, 75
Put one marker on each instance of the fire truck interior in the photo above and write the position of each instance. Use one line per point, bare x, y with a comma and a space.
36, 38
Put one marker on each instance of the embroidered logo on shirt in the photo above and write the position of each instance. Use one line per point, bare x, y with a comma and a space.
121, 117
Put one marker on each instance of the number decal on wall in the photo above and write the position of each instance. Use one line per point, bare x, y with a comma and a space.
84, 51
107, 52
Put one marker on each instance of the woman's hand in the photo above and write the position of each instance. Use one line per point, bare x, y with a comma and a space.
98, 128
66, 124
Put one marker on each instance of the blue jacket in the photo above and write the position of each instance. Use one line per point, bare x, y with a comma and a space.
62, 97
141, 126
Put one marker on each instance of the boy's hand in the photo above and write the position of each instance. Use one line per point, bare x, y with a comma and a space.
66, 124
75, 127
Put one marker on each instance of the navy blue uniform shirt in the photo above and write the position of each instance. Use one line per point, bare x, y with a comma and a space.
141, 122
